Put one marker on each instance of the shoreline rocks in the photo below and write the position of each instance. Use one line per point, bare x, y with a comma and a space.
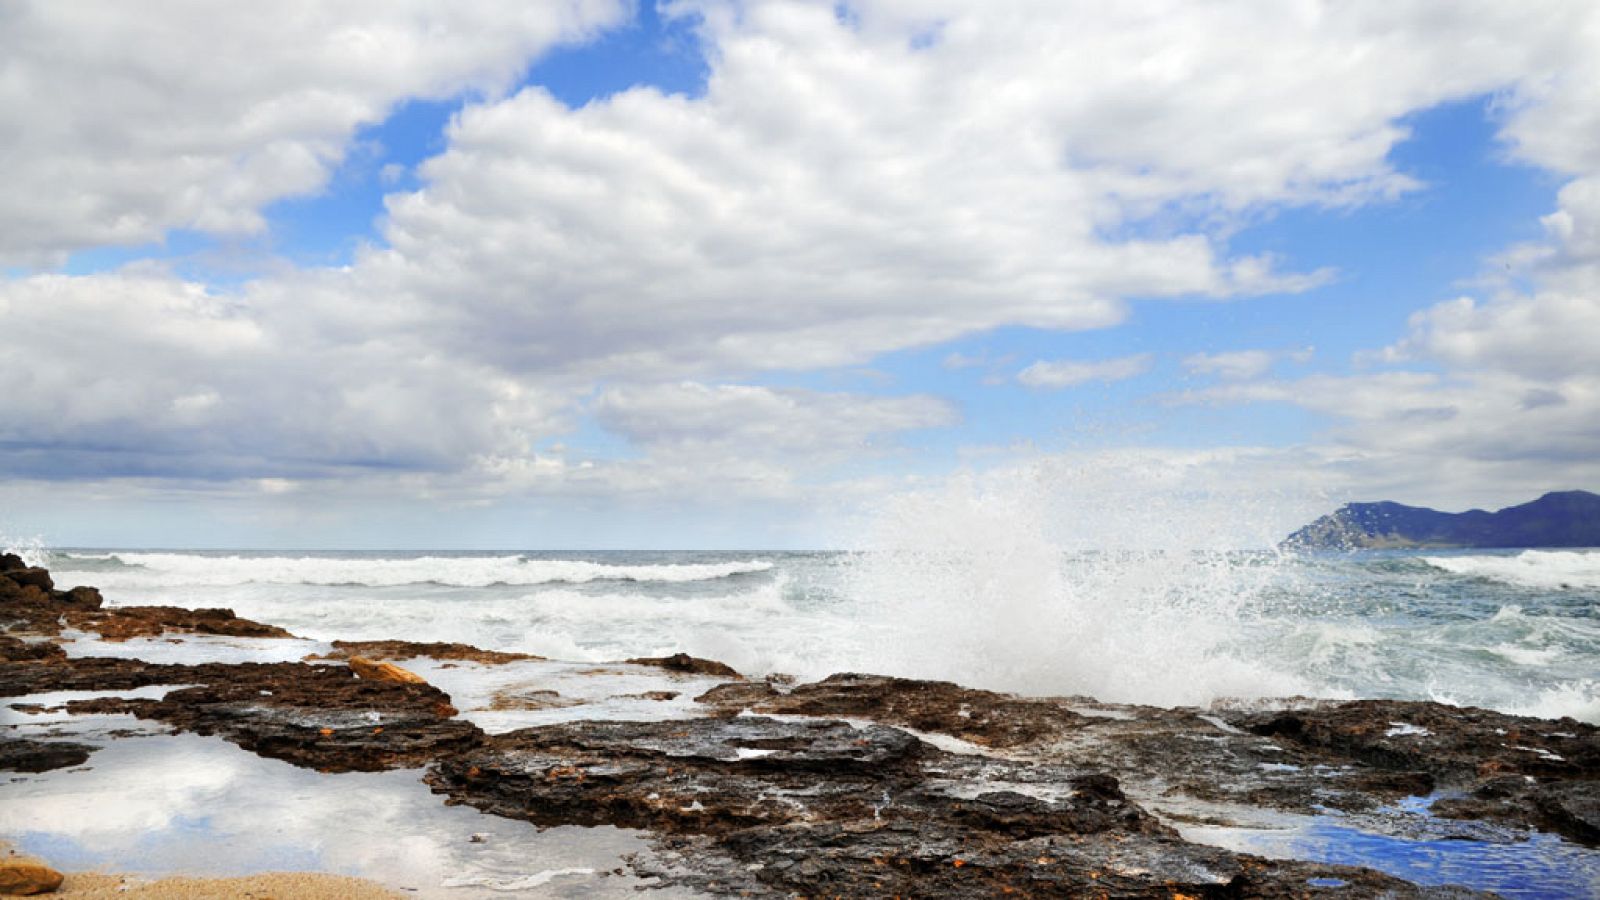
853, 785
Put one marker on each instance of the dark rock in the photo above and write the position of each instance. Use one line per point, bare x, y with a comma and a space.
1535, 773
31, 576
690, 665
10, 562
17, 650
319, 717
20, 755
122, 622
316, 716
751, 806
392, 650
81, 598
982, 717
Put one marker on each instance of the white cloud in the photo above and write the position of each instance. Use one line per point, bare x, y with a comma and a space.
1242, 364
126, 120
762, 420
1062, 373
847, 186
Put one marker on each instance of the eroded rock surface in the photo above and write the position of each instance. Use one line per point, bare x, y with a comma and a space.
982, 717
392, 650
21, 755
756, 806
1537, 773
688, 665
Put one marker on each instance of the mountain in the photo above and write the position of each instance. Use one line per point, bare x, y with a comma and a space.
1558, 519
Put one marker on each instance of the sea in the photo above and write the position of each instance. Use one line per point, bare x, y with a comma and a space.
1516, 630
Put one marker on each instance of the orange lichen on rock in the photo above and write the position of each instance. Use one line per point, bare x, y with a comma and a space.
382, 671
22, 876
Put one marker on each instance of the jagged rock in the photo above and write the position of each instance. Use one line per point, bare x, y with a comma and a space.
412, 649
122, 622
1537, 773
23, 876
320, 717
10, 562
752, 806
689, 665
31, 576
21, 755
81, 597
17, 650
316, 716
377, 671
982, 717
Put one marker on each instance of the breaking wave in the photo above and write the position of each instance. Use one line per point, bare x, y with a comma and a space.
147, 570
1544, 569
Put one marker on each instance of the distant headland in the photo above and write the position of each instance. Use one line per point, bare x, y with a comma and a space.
1558, 519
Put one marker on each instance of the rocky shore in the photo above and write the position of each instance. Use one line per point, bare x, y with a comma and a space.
856, 785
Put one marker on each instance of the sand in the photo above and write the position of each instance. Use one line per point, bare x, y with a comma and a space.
267, 886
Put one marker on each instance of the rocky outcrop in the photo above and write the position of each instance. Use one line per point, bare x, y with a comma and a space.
1534, 773
688, 665
122, 622
753, 806
392, 650
20, 755
982, 717
321, 717
30, 604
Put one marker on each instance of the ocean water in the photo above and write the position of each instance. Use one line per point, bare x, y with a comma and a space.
1514, 630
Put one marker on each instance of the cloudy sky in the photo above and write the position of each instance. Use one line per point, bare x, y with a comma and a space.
727, 272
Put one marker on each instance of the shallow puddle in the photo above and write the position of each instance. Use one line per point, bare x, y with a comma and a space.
197, 805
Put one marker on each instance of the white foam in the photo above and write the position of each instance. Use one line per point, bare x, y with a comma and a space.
1551, 569
153, 570
987, 584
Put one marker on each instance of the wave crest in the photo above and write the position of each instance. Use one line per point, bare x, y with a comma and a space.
176, 569
1549, 569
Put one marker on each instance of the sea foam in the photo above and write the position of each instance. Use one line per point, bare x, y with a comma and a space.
146, 570
1547, 569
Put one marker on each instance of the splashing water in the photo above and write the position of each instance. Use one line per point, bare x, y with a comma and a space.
1059, 581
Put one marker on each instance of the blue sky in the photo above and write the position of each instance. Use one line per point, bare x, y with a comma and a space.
557, 278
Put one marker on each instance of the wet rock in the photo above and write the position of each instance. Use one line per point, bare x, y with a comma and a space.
392, 650
10, 562
982, 717
23, 876
689, 665
377, 671
320, 717
521, 699
752, 806
17, 650
122, 622
1536, 773
316, 716
30, 576
21, 755
81, 598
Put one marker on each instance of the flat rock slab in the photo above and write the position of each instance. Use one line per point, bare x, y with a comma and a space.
22, 755
756, 806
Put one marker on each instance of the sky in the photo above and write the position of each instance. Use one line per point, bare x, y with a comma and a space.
730, 273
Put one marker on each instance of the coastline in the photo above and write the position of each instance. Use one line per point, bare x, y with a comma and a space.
723, 785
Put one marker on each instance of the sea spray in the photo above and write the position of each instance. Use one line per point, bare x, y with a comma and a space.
1114, 581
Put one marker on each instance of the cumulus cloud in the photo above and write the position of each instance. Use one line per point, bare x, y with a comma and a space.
126, 120
854, 180
1242, 364
1063, 373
